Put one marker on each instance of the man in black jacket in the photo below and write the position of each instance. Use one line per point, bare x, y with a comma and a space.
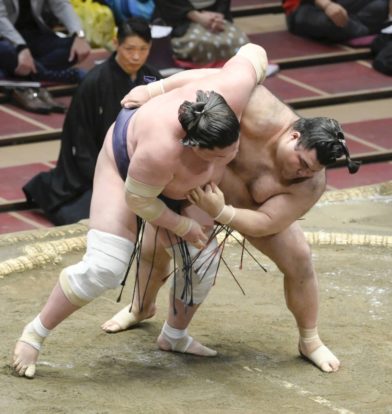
64, 193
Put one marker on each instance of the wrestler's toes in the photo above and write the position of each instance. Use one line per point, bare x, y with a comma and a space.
23, 370
334, 365
111, 326
331, 364
124, 319
30, 371
326, 367
24, 359
19, 367
196, 348
322, 358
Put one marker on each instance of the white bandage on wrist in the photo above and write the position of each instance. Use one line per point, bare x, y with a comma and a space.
257, 57
226, 215
155, 88
183, 226
142, 199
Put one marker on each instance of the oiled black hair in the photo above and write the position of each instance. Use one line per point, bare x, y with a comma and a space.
209, 122
327, 137
134, 26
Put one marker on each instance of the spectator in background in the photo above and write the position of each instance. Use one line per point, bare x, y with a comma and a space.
203, 31
123, 10
335, 21
381, 47
30, 50
64, 193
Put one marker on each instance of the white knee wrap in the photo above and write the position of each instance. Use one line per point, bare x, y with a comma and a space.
102, 267
203, 271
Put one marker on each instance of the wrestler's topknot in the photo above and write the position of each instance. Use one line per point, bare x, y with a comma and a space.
327, 137
209, 122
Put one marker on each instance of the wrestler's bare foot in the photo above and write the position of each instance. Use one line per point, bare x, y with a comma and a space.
124, 319
25, 358
186, 345
319, 355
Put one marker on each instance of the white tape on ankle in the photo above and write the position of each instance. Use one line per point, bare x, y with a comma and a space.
34, 333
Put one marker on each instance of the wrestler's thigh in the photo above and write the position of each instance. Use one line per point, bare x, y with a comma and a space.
153, 250
287, 249
109, 211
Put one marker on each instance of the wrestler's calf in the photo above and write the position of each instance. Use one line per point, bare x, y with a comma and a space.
102, 267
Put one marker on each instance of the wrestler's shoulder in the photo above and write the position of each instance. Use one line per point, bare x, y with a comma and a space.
314, 186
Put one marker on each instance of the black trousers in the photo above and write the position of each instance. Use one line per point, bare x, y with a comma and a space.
50, 52
365, 17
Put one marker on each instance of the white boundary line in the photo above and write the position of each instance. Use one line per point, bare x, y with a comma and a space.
301, 391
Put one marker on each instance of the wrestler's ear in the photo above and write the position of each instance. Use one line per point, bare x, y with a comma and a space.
295, 135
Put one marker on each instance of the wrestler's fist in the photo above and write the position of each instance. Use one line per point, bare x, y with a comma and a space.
196, 235
136, 97
211, 199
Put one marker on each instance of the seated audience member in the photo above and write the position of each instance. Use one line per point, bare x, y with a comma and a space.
31, 50
381, 48
64, 193
203, 31
335, 21
123, 10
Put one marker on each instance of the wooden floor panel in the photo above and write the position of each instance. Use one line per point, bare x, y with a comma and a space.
375, 131
340, 77
15, 121
284, 45
14, 178
11, 124
22, 221
368, 174
327, 82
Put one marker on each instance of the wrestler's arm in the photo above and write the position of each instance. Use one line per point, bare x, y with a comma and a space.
142, 93
271, 217
250, 59
149, 172
238, 77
